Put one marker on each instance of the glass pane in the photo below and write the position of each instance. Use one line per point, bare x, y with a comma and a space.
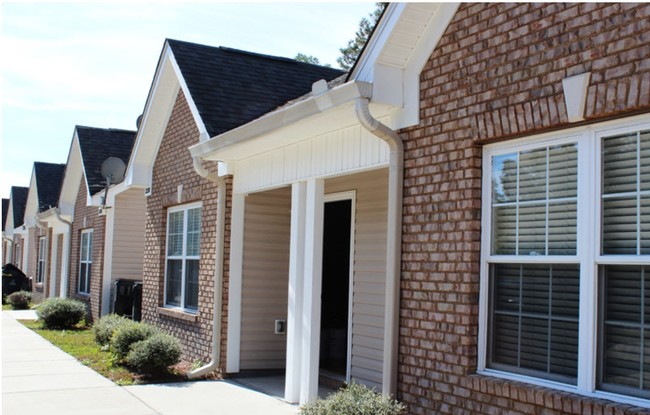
645, 160
175, 234
84, 246
505, 347
645, 225
622, 356
562, 228
535, 289
619, 164
90, 246
619, 226
532, 230
192, 283
623, 293
564, 348
566, 291
532, 175
82, 278
563, 171
534, 343
504, 178
193, 232
506, 280
505, 230
174, 277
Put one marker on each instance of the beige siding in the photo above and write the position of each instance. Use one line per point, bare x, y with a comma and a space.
369, 271
128, 236
265, 278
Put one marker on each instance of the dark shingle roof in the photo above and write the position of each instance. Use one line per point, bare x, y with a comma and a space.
18, 202
48, 183
232, 87
5, 208
98, 144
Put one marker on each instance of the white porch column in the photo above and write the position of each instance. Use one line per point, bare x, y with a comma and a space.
107, 272
55, 263
65, 264
295, 301
312, 289
235, 282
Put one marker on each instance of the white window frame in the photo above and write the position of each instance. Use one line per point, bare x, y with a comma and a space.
588, 248
88, 261
184, 208
42, 259
17, 259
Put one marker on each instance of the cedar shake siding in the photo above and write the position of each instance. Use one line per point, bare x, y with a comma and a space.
496, 74
176, 183
85, 218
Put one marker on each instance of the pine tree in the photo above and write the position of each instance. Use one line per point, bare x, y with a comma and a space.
350, 53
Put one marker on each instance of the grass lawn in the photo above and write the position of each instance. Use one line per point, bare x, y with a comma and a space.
80, 343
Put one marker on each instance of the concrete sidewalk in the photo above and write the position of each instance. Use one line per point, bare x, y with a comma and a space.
39, 377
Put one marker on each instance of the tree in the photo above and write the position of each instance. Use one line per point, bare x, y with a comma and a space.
301, 57
350, 53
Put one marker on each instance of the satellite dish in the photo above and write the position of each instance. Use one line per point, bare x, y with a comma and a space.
113, 170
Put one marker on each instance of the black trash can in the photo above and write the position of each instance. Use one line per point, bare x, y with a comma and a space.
137, 301
123, 304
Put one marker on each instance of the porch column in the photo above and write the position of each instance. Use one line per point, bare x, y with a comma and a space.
107, 272
312, 279
235, 282
295, 300
65, 264
54, 264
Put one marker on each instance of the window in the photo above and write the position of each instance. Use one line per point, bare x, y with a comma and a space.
182, 256
42, 251
18, 257
85, 261
566, 260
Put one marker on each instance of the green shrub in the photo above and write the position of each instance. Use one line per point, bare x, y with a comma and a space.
155, 354
355, 399
128, 334
20, 300
104, 328
61, 313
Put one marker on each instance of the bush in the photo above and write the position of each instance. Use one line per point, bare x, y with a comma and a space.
104, 328
20, 300
128, 334
355, 399
61, 313
155, 354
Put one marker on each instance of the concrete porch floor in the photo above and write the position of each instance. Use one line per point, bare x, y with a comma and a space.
272, 385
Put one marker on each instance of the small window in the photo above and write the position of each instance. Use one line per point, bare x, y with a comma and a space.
182, 257
42, 251
85, 261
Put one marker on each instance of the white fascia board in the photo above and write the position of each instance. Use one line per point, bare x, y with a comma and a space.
73, 174
158, 108
31, 205
188, 96
9, 223
364, 70
334, 97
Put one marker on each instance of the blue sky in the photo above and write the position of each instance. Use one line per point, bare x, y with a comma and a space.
67, 64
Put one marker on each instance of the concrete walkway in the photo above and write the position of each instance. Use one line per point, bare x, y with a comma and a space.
39, 377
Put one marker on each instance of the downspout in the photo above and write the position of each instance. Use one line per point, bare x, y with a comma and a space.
218, 274
393, 244
65, 278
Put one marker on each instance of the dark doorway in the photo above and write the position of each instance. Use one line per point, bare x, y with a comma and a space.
336, 288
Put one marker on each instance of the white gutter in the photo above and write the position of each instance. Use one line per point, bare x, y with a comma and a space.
218, 274
394, 240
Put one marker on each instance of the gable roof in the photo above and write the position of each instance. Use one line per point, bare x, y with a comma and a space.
48, 183
5, 208
231, 87
18, 201
98, 144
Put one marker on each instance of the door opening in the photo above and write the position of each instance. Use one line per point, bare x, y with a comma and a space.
335, 297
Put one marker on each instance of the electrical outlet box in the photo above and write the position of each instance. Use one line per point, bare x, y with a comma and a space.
280, 326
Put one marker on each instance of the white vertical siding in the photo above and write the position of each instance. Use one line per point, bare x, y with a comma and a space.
265, 279
128, 236
369, 277
346, 150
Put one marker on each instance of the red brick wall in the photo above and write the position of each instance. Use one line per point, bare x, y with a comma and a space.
173, 167
496, 73
87, 217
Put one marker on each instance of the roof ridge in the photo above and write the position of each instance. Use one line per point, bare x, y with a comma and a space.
104, 129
